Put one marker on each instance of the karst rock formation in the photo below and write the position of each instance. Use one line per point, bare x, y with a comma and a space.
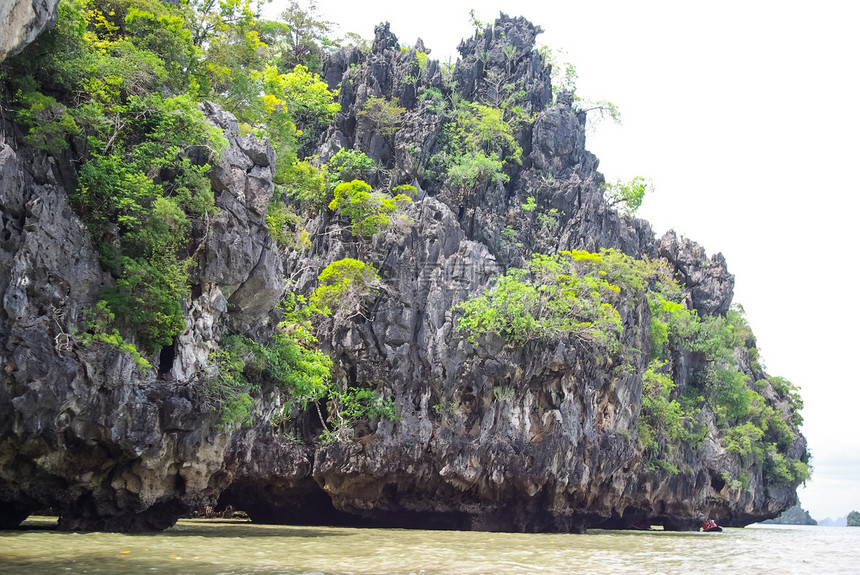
87, 435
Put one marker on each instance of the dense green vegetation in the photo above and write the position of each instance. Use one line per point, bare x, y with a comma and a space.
344, 284
582, 295
383, 116
115, 86
291, 362
114, 89
854, 519
569, 293
370, 212
477, 146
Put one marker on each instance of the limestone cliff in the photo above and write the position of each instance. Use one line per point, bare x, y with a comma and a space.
21, 21
530, 438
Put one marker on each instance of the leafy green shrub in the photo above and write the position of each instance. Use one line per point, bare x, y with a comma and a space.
627, 195
382, 114
659, 335
370, 212
572, 292
778, 432
483, 127
478, 144
755, 360
308, 185
141, 224
777, 469
344, 284
97, 330
237, 412
348, 165
306, 96
358, 403
503, 393
290, 361
351, 405
733, 397
548, 220
446, 409
295, 107
557, 297
421, 58
669, 320
660, 416
50, 123
436, 101
788, 390
285, 226
662, 465
148, 298
745, 440
474, 167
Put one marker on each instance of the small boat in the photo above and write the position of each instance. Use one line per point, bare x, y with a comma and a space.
711, 527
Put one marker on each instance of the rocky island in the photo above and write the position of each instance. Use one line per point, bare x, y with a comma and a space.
349, 286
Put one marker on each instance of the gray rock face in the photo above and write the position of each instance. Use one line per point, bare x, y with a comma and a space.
708, 285
499, 55
21, 21
239, 255
83, 430
531, 438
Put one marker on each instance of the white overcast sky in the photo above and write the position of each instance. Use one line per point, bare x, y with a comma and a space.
746, 116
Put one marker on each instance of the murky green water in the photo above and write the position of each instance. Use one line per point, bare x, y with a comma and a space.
220, 547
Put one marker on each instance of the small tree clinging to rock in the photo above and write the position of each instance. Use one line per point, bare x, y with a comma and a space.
626, 196
343, 286
370, 212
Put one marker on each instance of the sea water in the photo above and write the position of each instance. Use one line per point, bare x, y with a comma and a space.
224, 547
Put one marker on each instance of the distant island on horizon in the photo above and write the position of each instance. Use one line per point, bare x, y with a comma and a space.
797, 515
838, 522
794, 516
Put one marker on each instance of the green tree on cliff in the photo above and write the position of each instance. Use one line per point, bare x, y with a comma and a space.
125, 79
370, 212
854, 519
626, 196
306, 39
